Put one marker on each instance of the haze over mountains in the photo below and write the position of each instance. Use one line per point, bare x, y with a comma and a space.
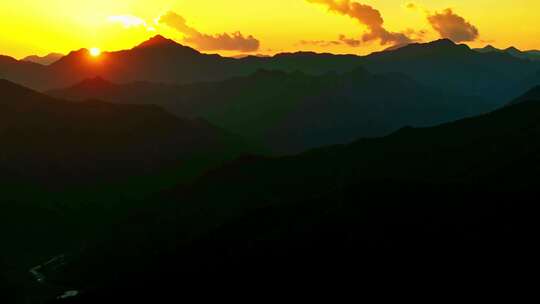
292, 112
45, 60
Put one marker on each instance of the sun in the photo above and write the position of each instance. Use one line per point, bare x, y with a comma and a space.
95, 52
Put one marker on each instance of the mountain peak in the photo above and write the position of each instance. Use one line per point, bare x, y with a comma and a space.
489, 48
513, 50
158, 41
442, 43
441, 46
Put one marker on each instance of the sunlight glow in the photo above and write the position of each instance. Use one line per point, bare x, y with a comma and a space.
37, 27
95, 52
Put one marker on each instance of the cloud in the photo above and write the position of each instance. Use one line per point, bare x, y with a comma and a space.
129, 21
416, 35
452, 26
350, 41
367, 16
221, 42
342, 40
320, 43
411, 5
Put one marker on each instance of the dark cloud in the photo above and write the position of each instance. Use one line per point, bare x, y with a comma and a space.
221, 42
452, 26
367, 16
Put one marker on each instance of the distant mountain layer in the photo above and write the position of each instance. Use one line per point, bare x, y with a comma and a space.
530, 55
440, 199
52, 140
292, 112
45, 60
441, 64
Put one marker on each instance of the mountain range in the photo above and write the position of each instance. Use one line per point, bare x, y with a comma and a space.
456, 193
498, 77
153, 172
292, 112
442, 64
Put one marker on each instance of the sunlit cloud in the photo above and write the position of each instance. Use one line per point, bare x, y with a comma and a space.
452, 26
129, 21
342, 40
319, 43
220, 42
368, 16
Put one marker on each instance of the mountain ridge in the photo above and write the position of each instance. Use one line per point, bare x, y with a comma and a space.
174, 63
294, 111
44, 60
533, 55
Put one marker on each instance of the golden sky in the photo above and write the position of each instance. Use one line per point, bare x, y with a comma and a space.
40, 27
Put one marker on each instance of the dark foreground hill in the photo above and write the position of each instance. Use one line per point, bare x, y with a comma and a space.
66, 168
441, 202
292, 112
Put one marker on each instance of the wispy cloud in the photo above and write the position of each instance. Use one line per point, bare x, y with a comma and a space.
320, 43
235, 41
342, 40
130, 21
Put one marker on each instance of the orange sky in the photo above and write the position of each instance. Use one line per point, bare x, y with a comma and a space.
40, 27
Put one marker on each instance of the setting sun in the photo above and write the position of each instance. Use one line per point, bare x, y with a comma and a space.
95, 52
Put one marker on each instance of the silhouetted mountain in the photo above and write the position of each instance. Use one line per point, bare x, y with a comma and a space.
46, 138
163, 60
291, 112
445, 65
530, 55
159, 41
441, 64
432, 200
45, 60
